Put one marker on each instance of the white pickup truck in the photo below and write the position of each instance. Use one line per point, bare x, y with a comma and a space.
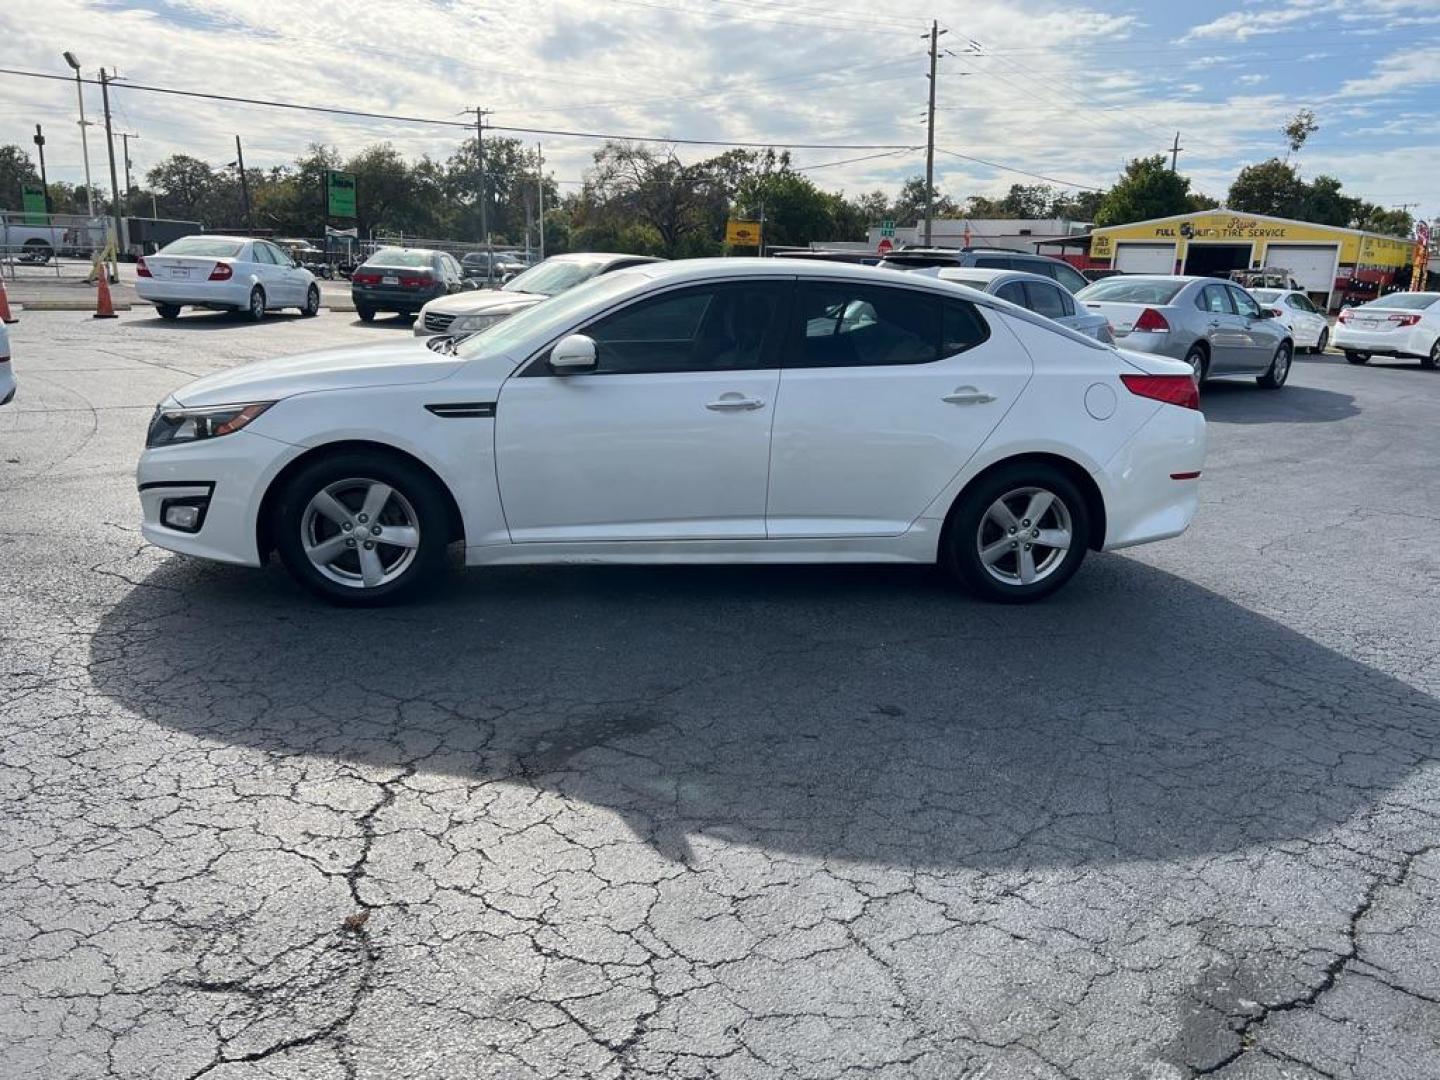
41, 243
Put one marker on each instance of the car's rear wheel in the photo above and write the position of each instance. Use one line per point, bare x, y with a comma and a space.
365, 314
1323, 342
168, 311
1279, 371
1199, 362
1432, 360
1357, 357
255, 309
312, 302
1018, 534
361, 529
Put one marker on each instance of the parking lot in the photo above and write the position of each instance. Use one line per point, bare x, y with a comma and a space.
1182, 819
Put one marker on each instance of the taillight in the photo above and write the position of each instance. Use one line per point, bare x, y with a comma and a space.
414, 282
1344, 315
141, 270
1405, 320
1180, 390
365, 279
222, 272
1151, 321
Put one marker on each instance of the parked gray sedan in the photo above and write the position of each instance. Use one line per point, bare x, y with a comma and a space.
1039, 294
1214, 326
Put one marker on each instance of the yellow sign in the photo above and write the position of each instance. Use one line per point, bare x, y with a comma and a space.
742, 233
1255, 232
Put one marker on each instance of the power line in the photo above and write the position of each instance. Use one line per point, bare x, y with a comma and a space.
853, 160
399, 118
1022, 172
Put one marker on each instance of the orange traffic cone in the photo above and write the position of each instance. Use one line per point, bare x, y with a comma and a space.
5, 315
104, 306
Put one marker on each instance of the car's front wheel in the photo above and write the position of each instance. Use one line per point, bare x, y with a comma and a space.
1357, 357
312, 302
1322, 342
360, 529
1018, 534
1279, 368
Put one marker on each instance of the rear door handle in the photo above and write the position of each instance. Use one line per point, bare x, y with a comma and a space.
733, 402
968, 395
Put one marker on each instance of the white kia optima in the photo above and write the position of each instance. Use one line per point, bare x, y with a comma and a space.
744, 410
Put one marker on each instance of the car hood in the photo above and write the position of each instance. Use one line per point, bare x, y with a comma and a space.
484, 302
332, 369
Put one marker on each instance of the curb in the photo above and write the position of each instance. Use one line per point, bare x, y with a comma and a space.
65, 305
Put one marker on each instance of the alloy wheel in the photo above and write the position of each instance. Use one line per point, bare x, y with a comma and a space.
360, 533
1024, 536
1280, 369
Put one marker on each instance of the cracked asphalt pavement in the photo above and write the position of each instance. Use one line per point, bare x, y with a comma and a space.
1181, 820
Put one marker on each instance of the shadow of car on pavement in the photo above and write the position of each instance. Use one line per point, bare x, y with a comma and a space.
848, 713
1245, 403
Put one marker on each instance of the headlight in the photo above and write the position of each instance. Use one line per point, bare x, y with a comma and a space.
473, 324
176, 424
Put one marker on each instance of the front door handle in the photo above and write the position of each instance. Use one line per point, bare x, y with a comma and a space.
733, 402
968, 395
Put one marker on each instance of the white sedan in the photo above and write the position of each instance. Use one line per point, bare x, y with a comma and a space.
1308, 326
1403, 324
742, 410
7, 374
225, 273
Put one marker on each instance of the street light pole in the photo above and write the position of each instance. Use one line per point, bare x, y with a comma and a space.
84, 142
244, 186
40, 150
114, 180
935, 33
125, 138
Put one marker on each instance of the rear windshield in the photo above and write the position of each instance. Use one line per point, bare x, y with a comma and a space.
1415, 301
209, 247
1265, 296
396, 257
1123, 290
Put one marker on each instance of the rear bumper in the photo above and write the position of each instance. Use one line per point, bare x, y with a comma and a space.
392, 299
1168, 344
220, 294
1410, 341
1143, 499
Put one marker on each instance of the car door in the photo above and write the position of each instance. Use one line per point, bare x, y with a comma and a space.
668, 438
1259, 337
1222, 328
1308, 322
877, 414
272, 275
296, 278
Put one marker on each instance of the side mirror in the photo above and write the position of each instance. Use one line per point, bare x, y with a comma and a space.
573, 354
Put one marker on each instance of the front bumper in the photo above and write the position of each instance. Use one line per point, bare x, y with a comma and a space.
1406, 341
217, 294
234, 471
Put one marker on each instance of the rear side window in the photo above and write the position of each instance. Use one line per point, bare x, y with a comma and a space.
1048, 300
845, 325
1213, 299
1014, 291
963, 328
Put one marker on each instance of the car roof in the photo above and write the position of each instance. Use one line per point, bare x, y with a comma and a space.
604, 256
990, 275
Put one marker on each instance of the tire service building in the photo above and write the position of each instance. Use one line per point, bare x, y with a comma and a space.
1332, 265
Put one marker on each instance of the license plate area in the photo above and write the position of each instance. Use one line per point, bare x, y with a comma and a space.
389, 279
181, 272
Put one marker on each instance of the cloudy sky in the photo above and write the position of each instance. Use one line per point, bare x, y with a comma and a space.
1063, 90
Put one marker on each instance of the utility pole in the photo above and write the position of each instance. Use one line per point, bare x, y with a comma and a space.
84, 141
110, 148
480, 115
935, 33
40, 150
244, 186
540, 187
1175, 149
125, 138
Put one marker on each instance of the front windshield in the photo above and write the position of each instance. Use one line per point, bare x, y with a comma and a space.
544, 320
1415, 301
554, 276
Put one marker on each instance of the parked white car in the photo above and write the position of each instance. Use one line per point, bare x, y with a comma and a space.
1033, 292
1403, 324
715, 410
7, 373
225, 273
1309, 328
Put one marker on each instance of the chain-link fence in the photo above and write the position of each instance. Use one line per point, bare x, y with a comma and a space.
56, 247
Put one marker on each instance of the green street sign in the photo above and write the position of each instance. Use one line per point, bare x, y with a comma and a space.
33, 197
887, 228
340, 193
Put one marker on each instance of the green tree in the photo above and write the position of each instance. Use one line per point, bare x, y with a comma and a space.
1299, 128
909, 205
1378, 219
16, 169
184, 185
634, 185
1270, 187
1147, 189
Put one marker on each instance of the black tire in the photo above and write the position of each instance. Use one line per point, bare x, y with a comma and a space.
366, 314
1199, 360
255, 310
1433, 359
1280, 365
1357, 357
419, 494
312, 303
36, 252
168, 311
1323, 343
971, 526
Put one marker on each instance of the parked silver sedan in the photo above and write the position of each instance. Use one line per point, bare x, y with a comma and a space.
1039, 294
1214, 326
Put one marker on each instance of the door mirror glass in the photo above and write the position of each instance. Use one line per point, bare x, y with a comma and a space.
574, 353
